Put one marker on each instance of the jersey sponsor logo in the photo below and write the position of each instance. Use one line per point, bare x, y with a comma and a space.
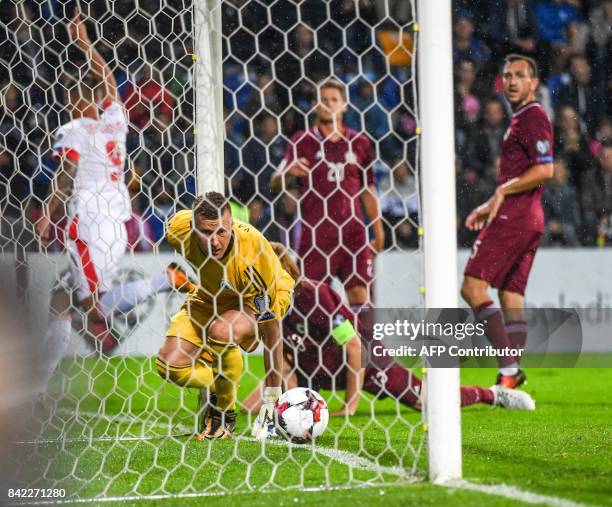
542, 146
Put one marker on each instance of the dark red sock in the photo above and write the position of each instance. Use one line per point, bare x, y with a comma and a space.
474, 394
495, 330
397, 382
517, 333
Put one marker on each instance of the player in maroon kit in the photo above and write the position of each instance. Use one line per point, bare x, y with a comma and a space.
322, 350
504, 251
333, 167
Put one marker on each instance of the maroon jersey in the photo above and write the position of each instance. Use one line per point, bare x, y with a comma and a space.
339, 171
527, 142
307, 327
320, 363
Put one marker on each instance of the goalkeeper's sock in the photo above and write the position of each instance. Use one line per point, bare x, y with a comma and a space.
517, 333
57, 338
227, 366
475, 394
123, 298
198, 375
495, 330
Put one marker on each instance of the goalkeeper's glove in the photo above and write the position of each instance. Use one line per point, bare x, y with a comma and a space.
264, 425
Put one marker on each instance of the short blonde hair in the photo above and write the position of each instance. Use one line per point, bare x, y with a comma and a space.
335, 84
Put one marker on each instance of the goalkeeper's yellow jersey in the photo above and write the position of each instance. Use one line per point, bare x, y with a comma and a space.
249, 273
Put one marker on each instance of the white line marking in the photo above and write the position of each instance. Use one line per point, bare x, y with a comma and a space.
514, 493
344, 457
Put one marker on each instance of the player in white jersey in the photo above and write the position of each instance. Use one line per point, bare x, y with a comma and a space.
89, 188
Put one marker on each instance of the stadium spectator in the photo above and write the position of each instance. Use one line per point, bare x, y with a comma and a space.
603, 132
467, 95
398, 202
601, 38
484, 141
596, 199
366, 112
578, 91
268, 95
571, 141
557, 21
560, 209
466, 45
513, 27
148, 102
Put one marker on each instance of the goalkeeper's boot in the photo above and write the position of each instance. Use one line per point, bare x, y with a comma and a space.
511, 381
207, 402
178, 278
222, 426
512, 399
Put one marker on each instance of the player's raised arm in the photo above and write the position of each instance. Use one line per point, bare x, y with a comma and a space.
78, 34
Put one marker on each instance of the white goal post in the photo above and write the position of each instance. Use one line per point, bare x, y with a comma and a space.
442, 399
208, 95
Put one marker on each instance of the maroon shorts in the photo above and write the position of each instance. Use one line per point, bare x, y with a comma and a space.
503, 256
353, 266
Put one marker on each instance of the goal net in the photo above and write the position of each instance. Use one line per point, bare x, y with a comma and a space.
108, 425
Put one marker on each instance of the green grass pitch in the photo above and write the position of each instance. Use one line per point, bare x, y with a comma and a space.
563, 449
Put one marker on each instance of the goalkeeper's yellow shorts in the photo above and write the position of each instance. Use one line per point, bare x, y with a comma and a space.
195, 316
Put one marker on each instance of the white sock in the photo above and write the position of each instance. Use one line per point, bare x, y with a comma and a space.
509, 371
57, 338
125, 297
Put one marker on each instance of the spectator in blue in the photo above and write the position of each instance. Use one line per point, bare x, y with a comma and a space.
466, 45
364, 105
557, 21
560, 208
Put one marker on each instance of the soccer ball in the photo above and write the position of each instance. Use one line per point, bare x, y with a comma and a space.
300, 415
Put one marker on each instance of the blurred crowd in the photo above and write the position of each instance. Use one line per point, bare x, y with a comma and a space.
572, 42
274, 54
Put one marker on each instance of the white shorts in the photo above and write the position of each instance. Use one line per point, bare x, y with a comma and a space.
95, 244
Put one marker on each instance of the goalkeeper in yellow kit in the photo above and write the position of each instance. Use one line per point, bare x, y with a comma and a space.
242, 295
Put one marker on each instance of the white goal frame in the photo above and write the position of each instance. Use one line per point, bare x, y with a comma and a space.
442, 398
